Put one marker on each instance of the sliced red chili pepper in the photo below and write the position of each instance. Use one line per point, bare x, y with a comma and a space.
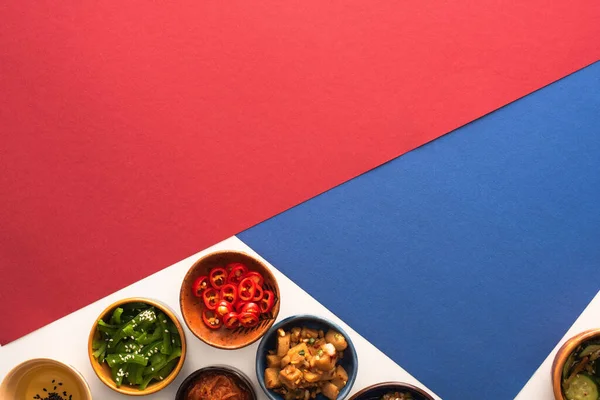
236, 272
224, 307
229, 266
256, 277
251, 307
239, 305
211, 298
229, 293
231, 320
246, 289
267, 302
248, 319
200, 285
218, 277
258, 293
211, 319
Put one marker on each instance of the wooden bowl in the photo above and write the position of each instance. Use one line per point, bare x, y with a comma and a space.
376, 391
39, 377
561, 357
103, 370
269, 342
192, 306
238, 376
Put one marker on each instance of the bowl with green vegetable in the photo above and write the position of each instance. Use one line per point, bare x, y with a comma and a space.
391, 391
576, 368
137, 346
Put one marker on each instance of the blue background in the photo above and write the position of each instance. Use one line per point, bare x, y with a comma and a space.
467, 259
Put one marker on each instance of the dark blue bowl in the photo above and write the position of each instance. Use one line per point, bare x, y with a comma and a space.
376, 392
269, 342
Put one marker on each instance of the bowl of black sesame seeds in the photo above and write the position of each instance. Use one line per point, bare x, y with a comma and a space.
137, 346
44, 379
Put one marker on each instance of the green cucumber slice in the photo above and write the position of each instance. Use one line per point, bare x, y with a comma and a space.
582, 387
589, 350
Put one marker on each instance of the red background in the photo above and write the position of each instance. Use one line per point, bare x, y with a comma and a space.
135, 133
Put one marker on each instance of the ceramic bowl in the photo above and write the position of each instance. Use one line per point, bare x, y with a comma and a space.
269, 342
40, 377
561, 357
192, 306
375, 392
242, 380
103, 370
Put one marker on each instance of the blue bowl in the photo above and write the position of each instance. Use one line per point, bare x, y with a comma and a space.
269, 342
376, 392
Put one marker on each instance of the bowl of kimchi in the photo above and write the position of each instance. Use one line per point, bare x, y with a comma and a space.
217, 382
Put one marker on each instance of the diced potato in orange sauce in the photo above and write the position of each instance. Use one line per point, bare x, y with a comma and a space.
272, 378
273, 361
330, 390
305, 363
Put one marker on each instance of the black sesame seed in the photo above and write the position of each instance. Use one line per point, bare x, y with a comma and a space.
53, 380
44, 390
59, 383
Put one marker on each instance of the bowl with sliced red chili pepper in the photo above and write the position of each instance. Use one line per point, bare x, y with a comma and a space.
229, 299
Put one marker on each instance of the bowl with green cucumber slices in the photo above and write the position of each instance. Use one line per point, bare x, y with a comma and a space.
576, 368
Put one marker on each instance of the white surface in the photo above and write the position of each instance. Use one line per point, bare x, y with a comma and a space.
66, 339
539, 386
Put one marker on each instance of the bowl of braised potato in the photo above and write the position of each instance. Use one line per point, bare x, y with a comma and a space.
306, 357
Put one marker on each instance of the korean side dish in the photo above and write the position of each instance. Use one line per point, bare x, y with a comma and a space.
233, 297
139, 343
216, 386
397, 396
581, 372
305, 364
